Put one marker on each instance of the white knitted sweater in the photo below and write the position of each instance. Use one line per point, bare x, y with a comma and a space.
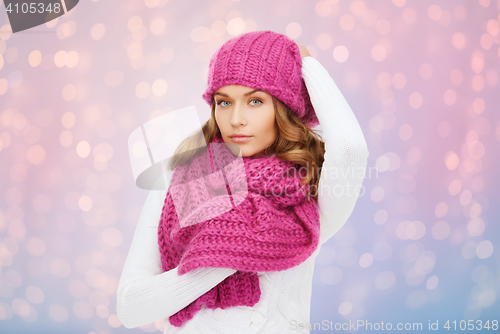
147, 294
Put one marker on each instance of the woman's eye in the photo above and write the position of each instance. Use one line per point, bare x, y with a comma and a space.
257, 102
222, 103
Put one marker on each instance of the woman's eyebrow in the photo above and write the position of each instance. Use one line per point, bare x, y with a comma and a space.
246, 94
253, 91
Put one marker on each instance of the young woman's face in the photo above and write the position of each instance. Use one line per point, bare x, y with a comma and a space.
241, 110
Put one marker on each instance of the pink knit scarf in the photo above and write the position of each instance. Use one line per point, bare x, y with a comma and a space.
249, 214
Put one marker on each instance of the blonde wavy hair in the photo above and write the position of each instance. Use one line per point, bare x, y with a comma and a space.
295, 142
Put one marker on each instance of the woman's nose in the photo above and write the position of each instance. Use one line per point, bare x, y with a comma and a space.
238, 116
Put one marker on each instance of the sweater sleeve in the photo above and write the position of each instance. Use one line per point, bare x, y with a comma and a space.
346, 153
147, 294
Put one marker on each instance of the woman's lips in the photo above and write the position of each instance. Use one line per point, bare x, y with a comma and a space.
240, 139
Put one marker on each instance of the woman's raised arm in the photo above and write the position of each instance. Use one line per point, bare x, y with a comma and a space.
146, 293
346, 153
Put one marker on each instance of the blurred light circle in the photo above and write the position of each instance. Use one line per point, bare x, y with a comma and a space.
415, 100
469, 250
142, 90
235, 26
111, 182
218, 28
71, 200
450, 97
66, 138
383, 27
41, 203
166, 55
365, 260
15, 79
441, 209
68, 120
293, 30
378, 53
413, 278
330, 275
72, 59
341, 54
113, 321
432, 282
34, 294
83, 310
385, 280
102, 311
484, 249
85, 203
406, 204
399, 80
476, 227
60, 268
454, 187
444, 129
103, 152
34, 58
60, 58
69, 92
95, 278
20, 307
58, 313
480, 273
346, 22
458, 40
157, 26
134, 24
97, 31
112, 236
201, 34
425, 71
451, 160
456, 77
382, 251
36, 246
159, 87
13, 278
324, 41
18, 172
434, 12
345, 308
377, 194
441, 230
83, 149
33, 134
409, 15
380, 217
416, 299
382, 163
36, 154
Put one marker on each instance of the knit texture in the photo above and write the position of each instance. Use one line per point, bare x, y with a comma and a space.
264, 60
248, 214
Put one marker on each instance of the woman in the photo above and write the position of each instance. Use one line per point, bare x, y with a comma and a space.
248, 268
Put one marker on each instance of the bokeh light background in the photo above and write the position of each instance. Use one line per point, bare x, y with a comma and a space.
421, 77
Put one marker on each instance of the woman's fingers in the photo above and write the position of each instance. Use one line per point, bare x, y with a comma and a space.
303, 51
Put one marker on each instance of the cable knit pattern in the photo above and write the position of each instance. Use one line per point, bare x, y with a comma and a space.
270, 224
264, 60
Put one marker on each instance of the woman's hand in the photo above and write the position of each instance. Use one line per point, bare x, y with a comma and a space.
303, 51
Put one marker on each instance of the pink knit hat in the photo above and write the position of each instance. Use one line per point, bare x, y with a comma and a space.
264, 60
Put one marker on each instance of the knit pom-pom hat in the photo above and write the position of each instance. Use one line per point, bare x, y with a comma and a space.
265, 60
